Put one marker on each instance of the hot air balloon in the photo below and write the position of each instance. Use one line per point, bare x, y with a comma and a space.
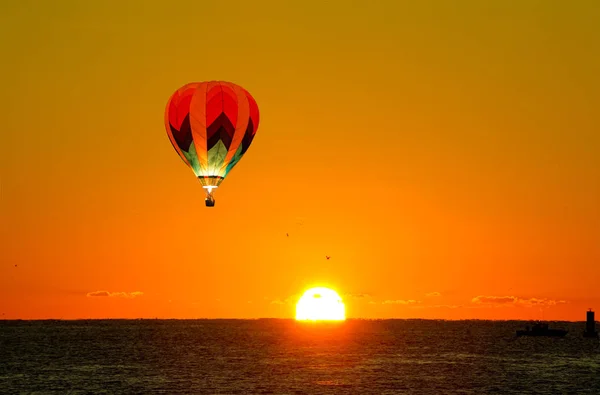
211, 126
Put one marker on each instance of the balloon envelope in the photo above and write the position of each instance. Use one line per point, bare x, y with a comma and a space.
211, 125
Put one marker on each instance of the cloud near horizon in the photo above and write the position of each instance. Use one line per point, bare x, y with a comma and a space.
356, 296
438, 306
401, 301
292, 299
515, 301
114, 294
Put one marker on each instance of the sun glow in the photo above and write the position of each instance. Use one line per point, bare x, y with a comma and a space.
320, 304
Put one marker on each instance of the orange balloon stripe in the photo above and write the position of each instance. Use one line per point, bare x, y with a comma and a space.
198, 125
240, 127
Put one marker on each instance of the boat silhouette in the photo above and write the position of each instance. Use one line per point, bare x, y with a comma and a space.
590, 325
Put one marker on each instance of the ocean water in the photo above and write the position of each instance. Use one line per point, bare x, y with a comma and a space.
287, 357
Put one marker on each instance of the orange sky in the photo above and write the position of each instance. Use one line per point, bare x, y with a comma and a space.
447, 158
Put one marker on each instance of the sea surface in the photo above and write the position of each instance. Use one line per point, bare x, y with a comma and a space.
273, 356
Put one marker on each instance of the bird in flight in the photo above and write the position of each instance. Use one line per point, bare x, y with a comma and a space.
327, 256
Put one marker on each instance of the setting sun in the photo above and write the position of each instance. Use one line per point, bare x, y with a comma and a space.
320, 304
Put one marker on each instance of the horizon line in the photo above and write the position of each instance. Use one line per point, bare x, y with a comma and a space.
279, 319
